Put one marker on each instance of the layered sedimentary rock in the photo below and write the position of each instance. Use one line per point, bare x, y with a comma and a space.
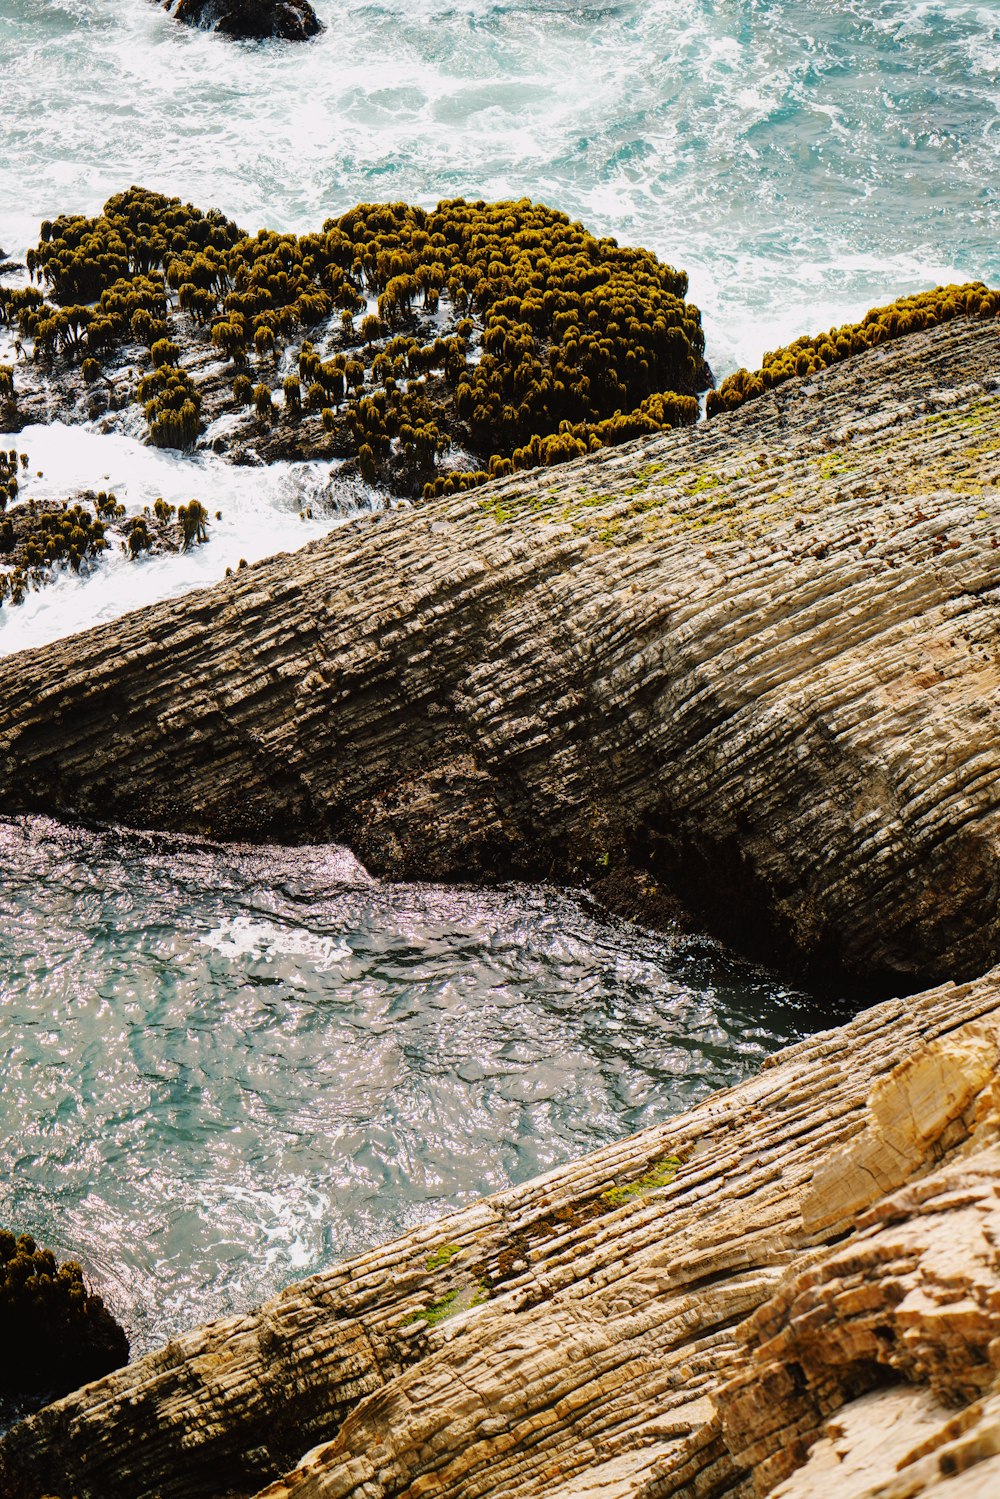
679, 1314
876, 1370
757, 659
253, 20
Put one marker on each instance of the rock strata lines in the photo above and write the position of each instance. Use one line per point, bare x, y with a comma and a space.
756, 659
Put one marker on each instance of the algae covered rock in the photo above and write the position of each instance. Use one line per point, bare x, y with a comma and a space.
503, 332
252, 20
809, 354
58, 1336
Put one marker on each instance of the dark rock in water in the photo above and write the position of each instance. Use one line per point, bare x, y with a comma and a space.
61, 1336
257, 20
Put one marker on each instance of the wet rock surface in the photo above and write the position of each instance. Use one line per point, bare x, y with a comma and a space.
431, 349
251, 20
753, 661
697, 1310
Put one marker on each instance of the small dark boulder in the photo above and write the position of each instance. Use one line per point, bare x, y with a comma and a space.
255, 20
55, 1334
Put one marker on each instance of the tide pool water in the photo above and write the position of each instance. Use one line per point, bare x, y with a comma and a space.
224, 1068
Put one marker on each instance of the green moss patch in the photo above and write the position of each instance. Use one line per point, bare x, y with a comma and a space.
443, 1256
459, 1300
661, 1174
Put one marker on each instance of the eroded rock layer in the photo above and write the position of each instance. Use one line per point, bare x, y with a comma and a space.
758, 659
679, 1314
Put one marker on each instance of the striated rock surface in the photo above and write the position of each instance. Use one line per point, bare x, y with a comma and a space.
898, 1333
756, 659
679, 1314
251, 20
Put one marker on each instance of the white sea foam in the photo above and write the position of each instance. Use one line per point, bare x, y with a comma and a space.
263, 511
249, 937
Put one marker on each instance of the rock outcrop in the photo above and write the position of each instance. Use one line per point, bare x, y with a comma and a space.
756, 659
251, 20
679, 1314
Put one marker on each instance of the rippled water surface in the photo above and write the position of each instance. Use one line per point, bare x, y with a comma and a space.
226, 1068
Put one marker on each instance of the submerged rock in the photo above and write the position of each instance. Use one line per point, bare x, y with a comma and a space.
252, 20
797, 1275
40, 540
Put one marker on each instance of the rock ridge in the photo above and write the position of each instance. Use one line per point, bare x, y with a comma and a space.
755, 660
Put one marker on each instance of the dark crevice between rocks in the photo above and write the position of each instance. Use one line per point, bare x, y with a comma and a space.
725, 896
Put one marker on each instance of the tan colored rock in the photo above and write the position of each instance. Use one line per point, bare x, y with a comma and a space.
569, 1338
914, 1296
909, 1112
757, 658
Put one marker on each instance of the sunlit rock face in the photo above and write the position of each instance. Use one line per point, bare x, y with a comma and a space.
253, 20
752, 660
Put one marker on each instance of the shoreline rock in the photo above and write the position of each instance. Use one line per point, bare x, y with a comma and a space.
751, 661
682, 1313
250, 20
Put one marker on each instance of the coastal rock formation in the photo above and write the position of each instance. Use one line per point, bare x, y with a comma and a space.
252, 20
755, 659
679, 1314
877, 1369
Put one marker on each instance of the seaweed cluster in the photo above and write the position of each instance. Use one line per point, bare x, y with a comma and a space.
57, 1334
38, 538
502, 328
807, 355
9, 475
